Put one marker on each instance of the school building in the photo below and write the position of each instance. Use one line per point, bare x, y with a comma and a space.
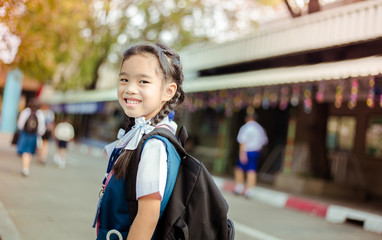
316, 84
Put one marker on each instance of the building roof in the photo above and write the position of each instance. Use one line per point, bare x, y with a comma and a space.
361, 67
356, 22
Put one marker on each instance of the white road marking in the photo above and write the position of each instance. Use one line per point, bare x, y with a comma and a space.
253, 232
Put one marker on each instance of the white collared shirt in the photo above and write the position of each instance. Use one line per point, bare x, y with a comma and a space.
152, 169
253, 136
40, 119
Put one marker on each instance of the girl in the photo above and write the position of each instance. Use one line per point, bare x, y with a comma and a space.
31, 123
150, 87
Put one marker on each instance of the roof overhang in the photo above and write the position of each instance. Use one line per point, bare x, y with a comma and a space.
357, 22
362, 67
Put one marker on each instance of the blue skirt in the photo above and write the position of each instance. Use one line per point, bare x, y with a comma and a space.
27, 143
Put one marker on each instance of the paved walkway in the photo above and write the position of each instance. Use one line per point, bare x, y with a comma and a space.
24, 208
369, 216
45, 205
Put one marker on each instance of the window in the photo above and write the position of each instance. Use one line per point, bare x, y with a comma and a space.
340, 133
374, 137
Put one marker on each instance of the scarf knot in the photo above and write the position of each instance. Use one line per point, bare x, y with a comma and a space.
130, 140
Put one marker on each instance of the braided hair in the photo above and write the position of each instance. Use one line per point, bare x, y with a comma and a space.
170, 69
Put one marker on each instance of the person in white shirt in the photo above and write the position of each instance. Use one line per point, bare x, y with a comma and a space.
49, 124
64, 132
251, 138
31, 124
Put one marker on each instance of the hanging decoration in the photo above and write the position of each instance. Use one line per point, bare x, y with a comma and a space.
284, 99
338, 96
220, 100
188, 104
266, 102
308, 99
238, 99
274, 98
371, 95
228, 111
295, 96
320, 92
378, 89
352, 103
257, 99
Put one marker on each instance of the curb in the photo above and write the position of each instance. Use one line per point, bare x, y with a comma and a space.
331, 213
8, 229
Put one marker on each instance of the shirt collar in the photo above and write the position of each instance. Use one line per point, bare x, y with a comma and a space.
130, 140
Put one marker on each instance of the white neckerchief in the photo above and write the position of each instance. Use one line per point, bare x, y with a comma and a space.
130, 140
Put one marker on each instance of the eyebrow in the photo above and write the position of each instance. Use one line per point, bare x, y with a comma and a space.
140, 75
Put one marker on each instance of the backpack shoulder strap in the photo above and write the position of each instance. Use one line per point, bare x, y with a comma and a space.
131, 178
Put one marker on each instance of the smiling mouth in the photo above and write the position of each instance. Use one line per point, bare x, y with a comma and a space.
131, 101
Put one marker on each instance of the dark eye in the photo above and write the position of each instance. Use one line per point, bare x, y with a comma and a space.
144, 81
123, 80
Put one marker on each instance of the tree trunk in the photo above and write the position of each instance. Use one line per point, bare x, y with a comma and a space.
314, 6
98, 64
291, 11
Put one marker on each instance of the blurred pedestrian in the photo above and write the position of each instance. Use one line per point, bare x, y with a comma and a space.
63, 132
31, 124
150, 87
49, 125
251, 138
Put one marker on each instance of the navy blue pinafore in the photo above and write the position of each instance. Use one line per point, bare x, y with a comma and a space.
113, 208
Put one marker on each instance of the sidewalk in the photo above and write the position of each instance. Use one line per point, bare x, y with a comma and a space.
8, 229
335, 211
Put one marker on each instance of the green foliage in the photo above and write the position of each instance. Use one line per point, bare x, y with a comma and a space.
65, 42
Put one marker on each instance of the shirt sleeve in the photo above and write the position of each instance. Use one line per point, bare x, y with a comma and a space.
152, 169
23, 118
41, 123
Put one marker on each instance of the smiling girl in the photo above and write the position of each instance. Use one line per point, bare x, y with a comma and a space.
150, 87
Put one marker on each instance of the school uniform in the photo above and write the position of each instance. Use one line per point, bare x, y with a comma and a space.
151, 177
27, 142
253, 137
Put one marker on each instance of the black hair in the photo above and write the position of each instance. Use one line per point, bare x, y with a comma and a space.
170, 69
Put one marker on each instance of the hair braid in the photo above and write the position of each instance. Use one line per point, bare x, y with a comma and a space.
170, 69
173, 73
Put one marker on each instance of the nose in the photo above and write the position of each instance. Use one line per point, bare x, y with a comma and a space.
131, 88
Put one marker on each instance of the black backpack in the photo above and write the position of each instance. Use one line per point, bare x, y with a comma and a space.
31, 124
196, 209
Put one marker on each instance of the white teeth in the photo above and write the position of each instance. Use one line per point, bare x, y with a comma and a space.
132, 102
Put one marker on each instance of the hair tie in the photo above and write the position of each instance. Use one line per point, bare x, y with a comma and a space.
171, 115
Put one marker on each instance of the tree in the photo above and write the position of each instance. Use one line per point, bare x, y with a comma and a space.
177, 23
66, 42
48, 32
295, 10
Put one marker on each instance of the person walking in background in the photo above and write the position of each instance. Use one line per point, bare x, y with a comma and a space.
64, 132
150, 87
49, 124
31, 123
251, 138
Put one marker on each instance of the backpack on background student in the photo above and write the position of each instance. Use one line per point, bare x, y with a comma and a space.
196, 209
31, 124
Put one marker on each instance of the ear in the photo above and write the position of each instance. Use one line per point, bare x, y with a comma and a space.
169, 91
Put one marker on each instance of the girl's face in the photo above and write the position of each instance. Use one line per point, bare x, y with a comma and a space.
141, 91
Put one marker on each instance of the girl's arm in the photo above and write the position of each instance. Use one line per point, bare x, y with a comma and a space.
147, 217
243, 154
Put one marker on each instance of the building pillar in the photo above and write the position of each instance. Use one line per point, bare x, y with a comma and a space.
11, 98
222, 145
288, 158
